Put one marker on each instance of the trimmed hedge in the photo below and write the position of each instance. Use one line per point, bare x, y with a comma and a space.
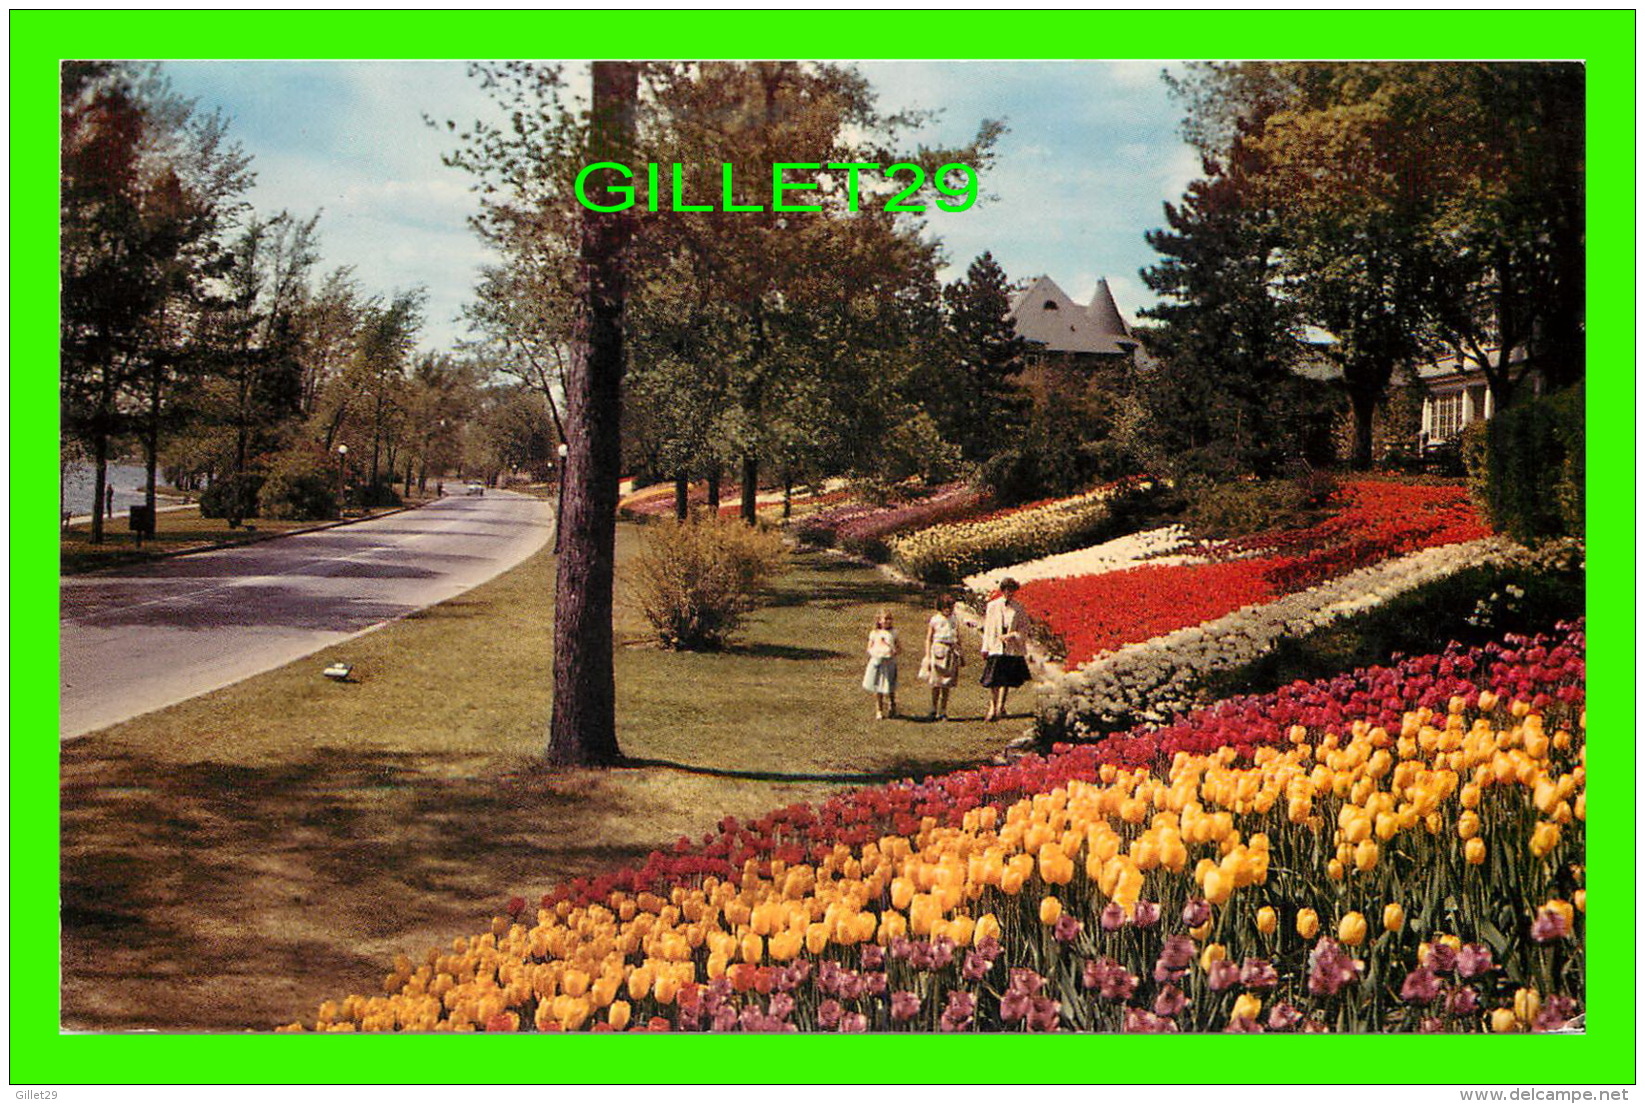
1526, 467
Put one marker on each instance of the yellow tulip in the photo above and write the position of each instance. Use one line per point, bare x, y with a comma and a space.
1468, 824
1200, 932
1564, 909
1393, 916
1474, 851
1527, 1003
1334, 870
1544, 838
1247, 1006
1307, 923
1214, 952
1580, 899
618, 1015
1470, 796
1351, 929
1267, 920
1050, 910
988, 926
1366, 856
1503, 1021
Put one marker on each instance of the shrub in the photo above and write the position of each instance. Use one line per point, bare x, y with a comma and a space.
367, 496
694, 581
233, 498
300, 488
1527, 466
1240, 508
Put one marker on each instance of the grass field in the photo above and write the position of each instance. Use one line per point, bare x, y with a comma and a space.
232, 861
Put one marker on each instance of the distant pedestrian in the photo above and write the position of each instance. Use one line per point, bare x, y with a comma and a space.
943, 659
108, 499
880, 679
1004, 647
440, 489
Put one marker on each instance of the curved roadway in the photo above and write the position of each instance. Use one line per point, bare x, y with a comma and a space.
142, 638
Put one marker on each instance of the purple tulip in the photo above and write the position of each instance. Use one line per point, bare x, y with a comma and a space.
1068, 929
1044, 1014
1170, 1001
1329, 968
956, 1016
1112, 917
1550, 925
1196, 912
1177, 953
1474, 959
872, 956
904, 1006
1146, 914
1222, 975
1421, 986
1283, 1017
1463, 1001
1258, 973
828, 1013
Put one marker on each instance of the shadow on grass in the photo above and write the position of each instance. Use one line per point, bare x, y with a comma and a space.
783, 651
214, 896
895, 771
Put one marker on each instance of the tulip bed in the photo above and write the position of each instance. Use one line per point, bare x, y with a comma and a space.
1395, 849
864, 529
1374, 521
947, 553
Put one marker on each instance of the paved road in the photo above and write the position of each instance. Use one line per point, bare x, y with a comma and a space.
139, 639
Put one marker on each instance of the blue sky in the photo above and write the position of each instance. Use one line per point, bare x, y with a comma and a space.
1091, 154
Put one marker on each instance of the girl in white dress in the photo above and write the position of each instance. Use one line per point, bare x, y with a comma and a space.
943, 658
880, 679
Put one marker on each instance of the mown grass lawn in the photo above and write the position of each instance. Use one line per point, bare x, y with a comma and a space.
232, 861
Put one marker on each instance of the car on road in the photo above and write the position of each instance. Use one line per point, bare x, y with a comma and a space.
476, 488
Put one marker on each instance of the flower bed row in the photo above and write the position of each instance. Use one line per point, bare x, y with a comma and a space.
1395, 849
1375, 522
945, 554
1156, 671
865, 530
1169, 544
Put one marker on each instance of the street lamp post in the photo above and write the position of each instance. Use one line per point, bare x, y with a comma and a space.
560, 493
342, 472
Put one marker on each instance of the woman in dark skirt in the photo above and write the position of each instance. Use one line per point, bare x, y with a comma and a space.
1004, 647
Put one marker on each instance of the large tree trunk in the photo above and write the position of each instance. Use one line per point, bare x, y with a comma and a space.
583, 728
714, 490
1364, 405
682, 496
751, 487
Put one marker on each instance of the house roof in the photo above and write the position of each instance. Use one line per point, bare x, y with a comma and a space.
1044, 315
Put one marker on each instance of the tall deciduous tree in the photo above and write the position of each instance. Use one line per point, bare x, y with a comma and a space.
147, 187
583, 727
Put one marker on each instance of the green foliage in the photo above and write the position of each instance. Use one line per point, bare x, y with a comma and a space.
233, 498
374, 496
301, 486
1527, 467
915, 447
694, 581
1243, 507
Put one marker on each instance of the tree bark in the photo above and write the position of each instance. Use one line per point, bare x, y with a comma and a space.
682, 496
1364, 406
583, 726
714, 490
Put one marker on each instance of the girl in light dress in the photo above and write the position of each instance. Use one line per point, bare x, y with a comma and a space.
943, 658
880, 679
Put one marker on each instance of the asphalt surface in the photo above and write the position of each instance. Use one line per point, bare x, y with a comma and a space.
138, 639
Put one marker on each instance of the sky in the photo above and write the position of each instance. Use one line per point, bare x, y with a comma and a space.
1090, 156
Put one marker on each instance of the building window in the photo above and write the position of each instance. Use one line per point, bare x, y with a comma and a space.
1447, 417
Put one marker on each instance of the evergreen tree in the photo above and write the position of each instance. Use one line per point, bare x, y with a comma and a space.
1225, 338
978, 407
